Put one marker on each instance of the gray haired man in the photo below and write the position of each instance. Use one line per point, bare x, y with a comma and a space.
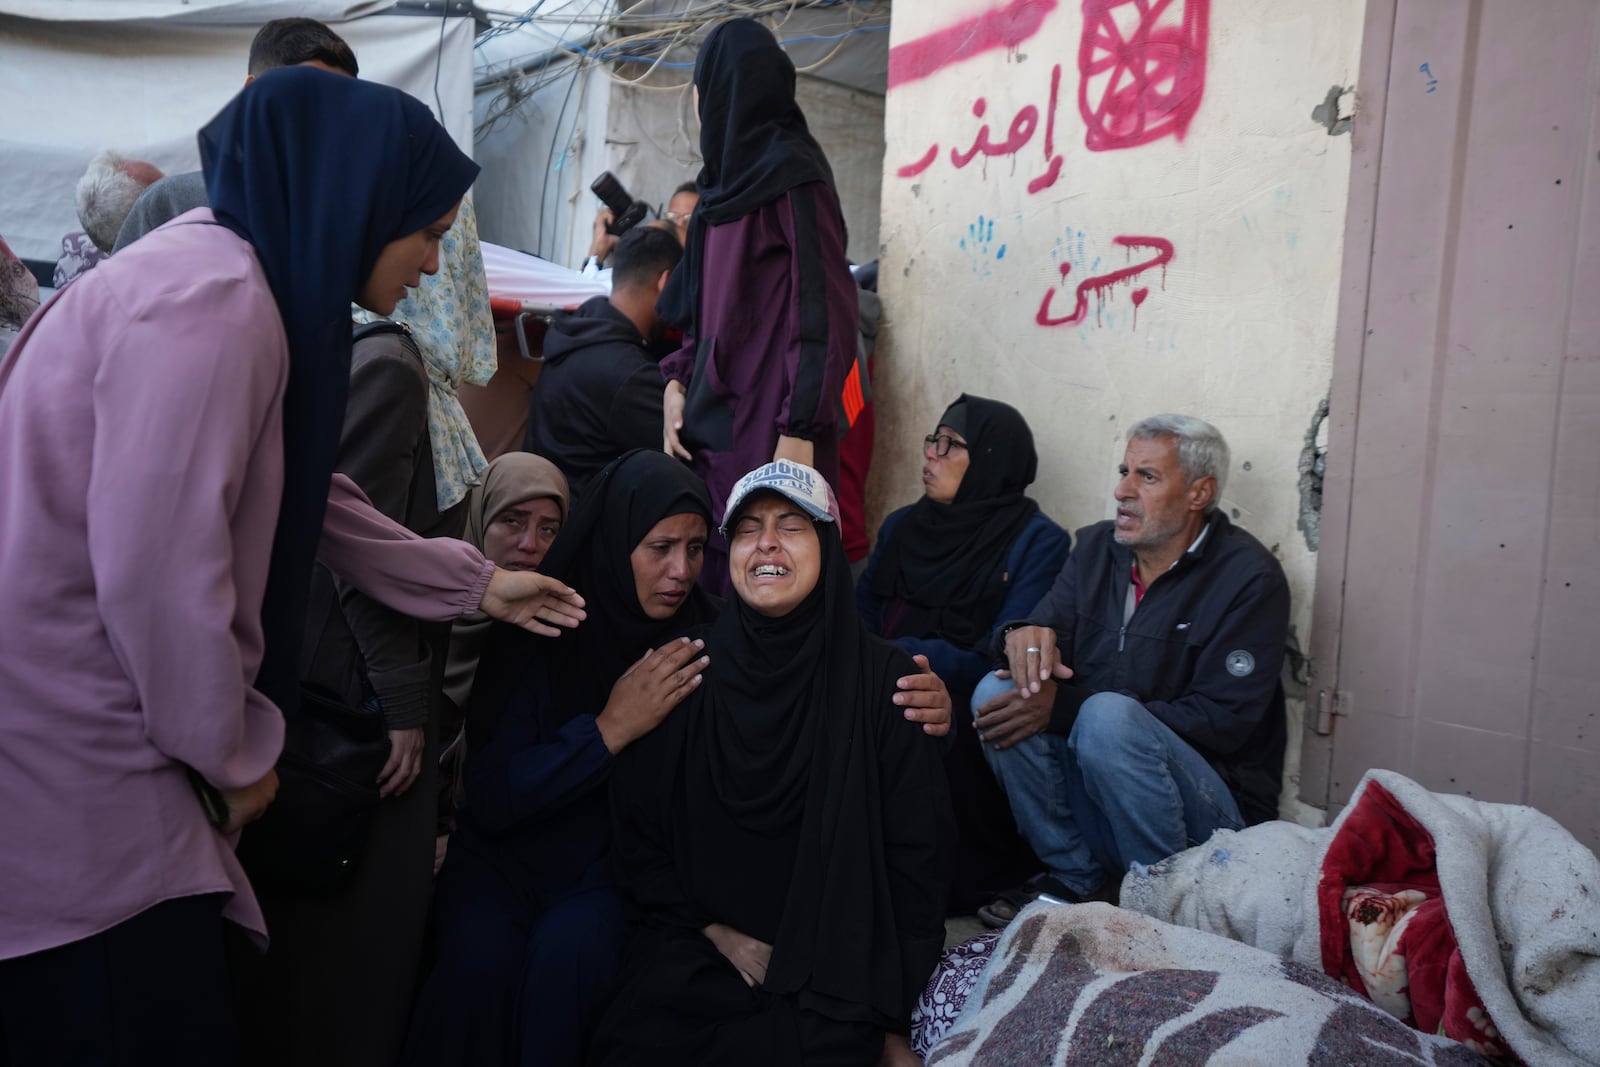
1140, 706
107, 192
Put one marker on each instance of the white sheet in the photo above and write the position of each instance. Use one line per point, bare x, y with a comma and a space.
516, 275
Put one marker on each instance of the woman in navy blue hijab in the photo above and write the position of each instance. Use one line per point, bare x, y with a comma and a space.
322, 173
140, 418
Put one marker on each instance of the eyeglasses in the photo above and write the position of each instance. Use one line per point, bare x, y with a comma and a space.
942, 443
676, 217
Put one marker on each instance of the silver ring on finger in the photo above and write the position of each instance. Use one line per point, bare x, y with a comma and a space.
1032, 651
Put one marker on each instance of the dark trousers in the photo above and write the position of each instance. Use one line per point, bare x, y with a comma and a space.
152, 990
520, 977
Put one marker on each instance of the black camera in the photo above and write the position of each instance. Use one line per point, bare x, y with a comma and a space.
625, 210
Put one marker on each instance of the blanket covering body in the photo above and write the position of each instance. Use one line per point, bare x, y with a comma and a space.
1089, 984
1521, 898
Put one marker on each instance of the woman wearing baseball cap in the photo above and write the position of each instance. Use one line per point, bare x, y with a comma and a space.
530, 921
785, 834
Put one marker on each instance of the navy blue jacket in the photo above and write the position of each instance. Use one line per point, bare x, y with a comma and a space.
1203, 651
537, 807
1035, 559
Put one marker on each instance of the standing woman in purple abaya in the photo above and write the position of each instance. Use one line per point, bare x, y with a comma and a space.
764, 293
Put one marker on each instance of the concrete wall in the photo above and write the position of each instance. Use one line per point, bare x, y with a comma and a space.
1178, 249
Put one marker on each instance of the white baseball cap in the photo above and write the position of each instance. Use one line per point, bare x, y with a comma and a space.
800, 483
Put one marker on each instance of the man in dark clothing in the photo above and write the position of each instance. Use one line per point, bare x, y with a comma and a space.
1140, 708
286, 42
600, 393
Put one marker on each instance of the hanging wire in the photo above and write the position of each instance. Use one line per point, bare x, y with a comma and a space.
600, 39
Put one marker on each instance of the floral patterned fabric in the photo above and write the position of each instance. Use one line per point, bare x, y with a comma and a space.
450, 321
1404, 951
953, 980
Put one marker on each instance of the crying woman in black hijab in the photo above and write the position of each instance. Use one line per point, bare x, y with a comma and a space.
974, 553
783, 835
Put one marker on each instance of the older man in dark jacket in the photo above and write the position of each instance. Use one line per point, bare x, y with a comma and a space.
600, 393
1140, 708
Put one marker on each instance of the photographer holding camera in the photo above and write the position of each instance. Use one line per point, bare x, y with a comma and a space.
608, 231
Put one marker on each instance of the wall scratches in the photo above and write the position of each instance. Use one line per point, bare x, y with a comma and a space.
1334, 113
1313, 464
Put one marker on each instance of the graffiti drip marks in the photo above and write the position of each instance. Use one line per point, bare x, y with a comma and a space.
1006, 26
1145, 83
1100, 284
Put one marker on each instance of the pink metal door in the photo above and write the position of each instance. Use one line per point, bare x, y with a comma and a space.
1457, 618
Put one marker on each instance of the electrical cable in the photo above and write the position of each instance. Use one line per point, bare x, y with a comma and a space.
656, 36
438, 62
595, 39
548, 157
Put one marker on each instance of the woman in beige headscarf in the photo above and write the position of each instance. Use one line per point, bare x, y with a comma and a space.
513, 515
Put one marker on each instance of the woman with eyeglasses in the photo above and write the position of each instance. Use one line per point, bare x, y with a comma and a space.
945, 573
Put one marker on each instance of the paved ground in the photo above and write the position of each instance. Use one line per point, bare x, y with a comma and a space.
962, 928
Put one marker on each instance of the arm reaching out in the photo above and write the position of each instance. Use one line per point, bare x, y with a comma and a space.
439, 578
533, 601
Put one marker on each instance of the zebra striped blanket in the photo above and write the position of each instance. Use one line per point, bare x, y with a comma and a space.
1090, 984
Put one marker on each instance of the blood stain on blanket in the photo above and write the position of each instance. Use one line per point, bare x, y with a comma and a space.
1126, 944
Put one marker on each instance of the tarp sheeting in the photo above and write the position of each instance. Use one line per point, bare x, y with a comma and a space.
248, 12
74, 88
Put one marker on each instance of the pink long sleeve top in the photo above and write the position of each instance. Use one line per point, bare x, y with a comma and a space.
140, 472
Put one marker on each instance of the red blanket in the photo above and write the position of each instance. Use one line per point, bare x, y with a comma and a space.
1385, 929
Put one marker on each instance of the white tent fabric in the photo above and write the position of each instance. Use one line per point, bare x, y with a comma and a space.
143, 88
536, 282
253, 12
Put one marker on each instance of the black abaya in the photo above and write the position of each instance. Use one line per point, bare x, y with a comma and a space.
786, 798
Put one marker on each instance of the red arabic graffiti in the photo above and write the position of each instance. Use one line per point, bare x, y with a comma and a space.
1139, 86
1001, 27
1019, 132
1101, 284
